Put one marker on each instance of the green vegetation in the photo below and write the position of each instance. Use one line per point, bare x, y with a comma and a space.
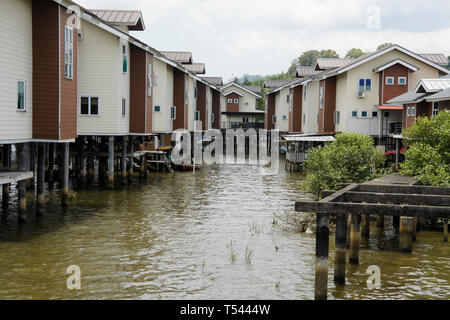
351, 158
428, 155
354, 53
384, 45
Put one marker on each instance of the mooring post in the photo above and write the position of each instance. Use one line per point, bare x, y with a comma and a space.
111, 161
445, 230
340, 248
124, 160
130, 162
365, 226
406, 234
40, 178
24, 162
322, 240
380, 221
65, 174
355, 238
51, 162
6, 165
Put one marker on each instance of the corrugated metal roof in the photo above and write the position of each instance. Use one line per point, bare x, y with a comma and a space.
197, 68
434, 85
332, 63
393, 62
443, 95
312, 139
217, 81
131, 18
271, 84
255, 89
408, 97
438, 58
178, 56
304, 71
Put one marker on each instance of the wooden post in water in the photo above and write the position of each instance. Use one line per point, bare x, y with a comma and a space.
322, 239
32, 157
396, 223
355, 238
406, 234
445, 230
24, 163
51, 162
414, 231
82, 162
349, 223
123, 161
130, 162
40, 178
65, 174
380, 221
6, 165
340, 248
143, 165
111, 162
365, 226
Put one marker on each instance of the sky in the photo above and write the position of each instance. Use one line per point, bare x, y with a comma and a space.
236, 37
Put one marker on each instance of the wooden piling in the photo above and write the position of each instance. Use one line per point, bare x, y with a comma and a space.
396, 223
355, 238
445, 230
6, 159
143, 164
51, 162
340, 248
322, 240
130, 162
32, 157
406, 234
111, 161
414, 231
40, 178
365, 226
82, 162
65, 174
380, 221
23, 166
349, 223
123, 160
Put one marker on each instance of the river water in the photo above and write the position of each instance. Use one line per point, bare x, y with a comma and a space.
208, 235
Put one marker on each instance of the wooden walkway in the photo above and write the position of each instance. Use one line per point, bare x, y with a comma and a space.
14, 177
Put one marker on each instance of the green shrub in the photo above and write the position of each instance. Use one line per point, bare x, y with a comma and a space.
351, 158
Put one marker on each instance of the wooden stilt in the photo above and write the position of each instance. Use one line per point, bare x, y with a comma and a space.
380, 221
322, 241
24, 163
355, 238
365, 226
339, 251
123, 160
32, 157
414, 231
130, 162
396, 223
446, 230
111, 162
82, 162
40, 178
51, 162
65, 174
349, 223
143, 164
406, 234
6, 159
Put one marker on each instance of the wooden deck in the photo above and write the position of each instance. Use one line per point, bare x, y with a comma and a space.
13, 177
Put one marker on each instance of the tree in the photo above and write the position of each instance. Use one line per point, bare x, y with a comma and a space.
354, 53
384, 45
328, 53
308, 58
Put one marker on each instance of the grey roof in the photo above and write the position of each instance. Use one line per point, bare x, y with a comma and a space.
443, 95
409, 97
131, 18
271, 84
178, 56
217, 81
395, 61
305, 71
434, 85
447, 76
438, 58
255, 89
197, 68
332, 63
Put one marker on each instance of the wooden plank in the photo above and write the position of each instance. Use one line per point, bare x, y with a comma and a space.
13, 177
338, 194
397, 198
403, 189
394, 179
376, 209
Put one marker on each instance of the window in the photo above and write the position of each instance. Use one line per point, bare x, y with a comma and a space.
195, 92
413, 111
124, 107
245, 119
321, 98
125, 59
288, 98
21, 95
389, 80
409, 111
354, 113
212, 117
230, 100
365, 85
284, 117
89, 106
337, 117
386, 114
274, 119
68, 52
435, 109
149, 81
236, 100
364, 114
157, 108
197, 116
173, 113
375, 114
402, 81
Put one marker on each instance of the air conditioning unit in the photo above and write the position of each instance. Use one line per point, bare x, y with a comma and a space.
361, 94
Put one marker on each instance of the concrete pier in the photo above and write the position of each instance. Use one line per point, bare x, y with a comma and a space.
322, 241
340, 248
406, 234
355, 238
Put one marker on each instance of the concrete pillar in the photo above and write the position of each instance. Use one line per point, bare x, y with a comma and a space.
322, 241
51, 162
355, 238
40, 178
111, 161
65, 174
380, 221
32, 166
130, 162
6, 159
405, 234
349, 223
340, 248
396, 223
24, 162
365, 226
446, 230
414, 231
123, 161
143, 165
82, 161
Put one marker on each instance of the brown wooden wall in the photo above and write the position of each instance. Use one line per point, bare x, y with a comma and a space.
326, 115
201, 103
391, 91
45, 70
232, 107
268, 125
216, 109
138, 88
179, 85
297, 116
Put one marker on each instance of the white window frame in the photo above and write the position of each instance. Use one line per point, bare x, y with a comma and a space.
288, 98
354, 116
124, 107
304, 118
68, 52
236, 101
408, 111
174, 110
89, 106
124, 57
435, 109
24, 96
390, 78
321, 98
376, 114
154, 109
305, 91
402, 84
150, 83
367, 114
364, 88
230, 101
337, 117
413, 111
